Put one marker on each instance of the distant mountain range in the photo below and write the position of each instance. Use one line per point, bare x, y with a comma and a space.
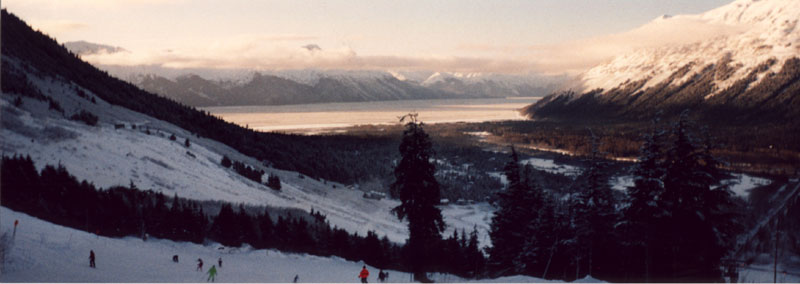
749, 75
226, 87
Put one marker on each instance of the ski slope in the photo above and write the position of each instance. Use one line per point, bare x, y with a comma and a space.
44, 252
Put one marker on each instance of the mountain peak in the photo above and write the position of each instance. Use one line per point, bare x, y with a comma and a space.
745, 34
763, 12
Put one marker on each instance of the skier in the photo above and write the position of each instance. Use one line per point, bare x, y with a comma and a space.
220, 262
199, 264
175, 258
16, 222
211, 273
296, 277
381, 276
91, 259
364, 274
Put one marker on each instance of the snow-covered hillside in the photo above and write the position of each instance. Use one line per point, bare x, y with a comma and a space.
45, 252
745, 34
109, 155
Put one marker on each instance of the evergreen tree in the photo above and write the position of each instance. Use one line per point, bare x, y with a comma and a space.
300, 239
173, 220
516, 222
594, 216
265, 227
244, 227
226, 162
224, 229
418, 191
373, 251
645, 211
274, 182
700, 227
451, 254
474, 260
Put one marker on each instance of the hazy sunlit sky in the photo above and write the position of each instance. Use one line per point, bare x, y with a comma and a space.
458, 35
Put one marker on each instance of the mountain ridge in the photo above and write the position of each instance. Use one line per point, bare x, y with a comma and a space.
742, 76
238, 87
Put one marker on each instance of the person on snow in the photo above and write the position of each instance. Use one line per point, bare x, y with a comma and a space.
212, 272
296, 277
364, 274
199, 264
91, 258
219, 261
382, 276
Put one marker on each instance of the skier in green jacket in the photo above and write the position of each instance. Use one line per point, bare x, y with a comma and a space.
211, 273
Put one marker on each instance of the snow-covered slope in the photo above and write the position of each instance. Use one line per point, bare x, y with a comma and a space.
107, 155
45, 252
746, 33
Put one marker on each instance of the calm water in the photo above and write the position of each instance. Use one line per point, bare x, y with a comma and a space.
314, 117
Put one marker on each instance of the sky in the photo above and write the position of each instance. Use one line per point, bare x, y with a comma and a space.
552, 36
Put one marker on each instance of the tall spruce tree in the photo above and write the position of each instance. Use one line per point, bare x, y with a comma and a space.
475, 260
418, 191
700, 226
645, 212
516, 221
594, 215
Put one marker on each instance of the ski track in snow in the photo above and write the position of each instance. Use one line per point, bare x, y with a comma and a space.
45, 252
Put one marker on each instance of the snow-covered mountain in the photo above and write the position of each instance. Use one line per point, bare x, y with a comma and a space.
225, 87
494, 85
271, 89
752, 32
743, 68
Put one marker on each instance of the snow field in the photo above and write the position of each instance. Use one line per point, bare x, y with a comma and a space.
741, 184
551, 166
44, 252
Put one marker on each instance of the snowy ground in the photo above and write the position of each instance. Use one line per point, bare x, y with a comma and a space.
44, 252
741, 184
551, 166
763, 273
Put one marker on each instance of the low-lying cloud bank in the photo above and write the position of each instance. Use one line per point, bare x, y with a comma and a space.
284, 52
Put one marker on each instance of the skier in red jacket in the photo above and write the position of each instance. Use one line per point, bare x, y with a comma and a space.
364, 274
